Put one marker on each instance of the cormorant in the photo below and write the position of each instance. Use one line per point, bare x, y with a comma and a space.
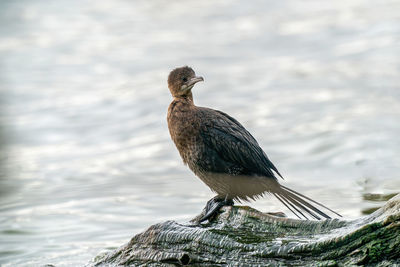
224, 155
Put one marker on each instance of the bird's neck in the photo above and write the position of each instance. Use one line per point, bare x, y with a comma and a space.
187, 99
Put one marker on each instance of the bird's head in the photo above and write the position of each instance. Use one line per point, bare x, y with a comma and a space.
181, 81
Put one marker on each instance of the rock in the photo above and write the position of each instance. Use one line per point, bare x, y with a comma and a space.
242, 236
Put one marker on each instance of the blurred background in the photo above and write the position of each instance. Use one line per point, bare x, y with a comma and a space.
86, 160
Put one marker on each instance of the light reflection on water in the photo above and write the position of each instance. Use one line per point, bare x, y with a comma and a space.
86, 158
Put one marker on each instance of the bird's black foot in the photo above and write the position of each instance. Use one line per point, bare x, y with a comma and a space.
213, 206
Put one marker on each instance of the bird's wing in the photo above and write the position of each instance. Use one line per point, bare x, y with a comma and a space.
233, 145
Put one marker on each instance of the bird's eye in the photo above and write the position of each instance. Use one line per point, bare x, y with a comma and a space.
184, 79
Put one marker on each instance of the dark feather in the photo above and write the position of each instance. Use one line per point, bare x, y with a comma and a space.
234, 146
297, 203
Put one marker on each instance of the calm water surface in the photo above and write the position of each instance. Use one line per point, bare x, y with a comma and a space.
86, 158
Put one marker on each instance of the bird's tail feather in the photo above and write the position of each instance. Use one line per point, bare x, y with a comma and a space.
300, 204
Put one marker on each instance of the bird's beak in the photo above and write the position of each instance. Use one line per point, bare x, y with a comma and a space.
195, 80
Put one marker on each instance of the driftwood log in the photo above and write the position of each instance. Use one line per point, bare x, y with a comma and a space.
242, 236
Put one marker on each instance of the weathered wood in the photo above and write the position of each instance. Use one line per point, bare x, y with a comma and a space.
242, 236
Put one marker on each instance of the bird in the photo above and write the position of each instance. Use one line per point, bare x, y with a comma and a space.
225, 156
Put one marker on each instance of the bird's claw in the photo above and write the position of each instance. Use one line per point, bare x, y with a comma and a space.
213, 206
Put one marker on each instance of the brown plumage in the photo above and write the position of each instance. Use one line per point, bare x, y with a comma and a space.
223, 154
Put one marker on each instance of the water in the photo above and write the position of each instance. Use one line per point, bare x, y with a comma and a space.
86, 158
